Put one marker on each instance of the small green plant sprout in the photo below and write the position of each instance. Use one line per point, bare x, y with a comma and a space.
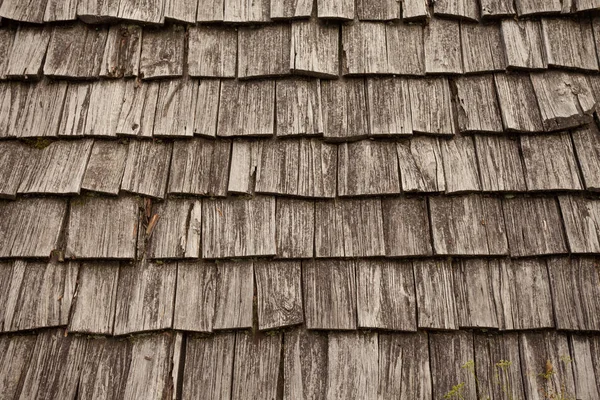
502, 378
555, 394
457, 392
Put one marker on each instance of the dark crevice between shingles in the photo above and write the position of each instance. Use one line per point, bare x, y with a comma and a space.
577, 161
430, 220
178, 386
281, 374
58, 254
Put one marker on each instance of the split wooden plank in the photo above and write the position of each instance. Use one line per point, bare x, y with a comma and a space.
569, 43
31, 227
518, 105
353, 361
436, 299
145, 297
421, 167
138, 110
242, 11
431, 106
60, 10
332, 9
442, 47
386, 295
151, 11
476, 226
345, 113
238, 227
181, 11
75, 109
15, 160
314, 49
449, 353
415, 10
207, 108
295, 228
106, 98
98, 11
58, 168
175, 109
467, 10
482, 49
550, 162
349, 228
304, 363
122, 52
575, 293
27, 52
15, 355
500, 164
212, 52
162, 52
582, 223
177, 232
587, 149
409, 37
40, 116
208, 370
389, 106
329, 289
195, 296
406, 227
38, 295
533, 226
365, 48
537, 7
367, 168
210, 10
105, 167
256, 366
523, 44
246, 108
264, 51
234, 290
279, 294
96, 298
586, 365
153, 158
25, 11
288, 9
460, 165
299, 107
245, 156
477, 104
379, 10
497, 8
101, 227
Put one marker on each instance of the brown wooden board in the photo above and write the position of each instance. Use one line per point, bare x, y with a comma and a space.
431, 106
582, 223
586, 142
122, 52
295, 228
477, 104
389, 106
523, 45
345, 113
298, 107
421, 167
442, 47
234, 290
406, 227
162, 52
449, 352
314, 49
246, 108
153, 158
175, 109
105, 167
212, 52
264, 51
460, 164
195, 296
138, 109
518, 104
436, 299
304, 363
27, 52
569, 43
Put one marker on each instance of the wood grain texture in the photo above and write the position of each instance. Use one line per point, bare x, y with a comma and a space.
102, 227
409, 37
105, 167
145, 297
7, 37
246, 108
500, 164
150, 11
26, 11
569, 43
41, 111
95, 301
238, 227
550, 162
175, 109
421, 167
122, 52
345, 109
518, 105
207, 108
138, 109
298, 107
582, 223
287, 9
234, 295
482, 49
241, 11
97, 11
15, 159
212, 52
586, 357
162, 52
378, 10
329, 289
31, 227
27, 52
264, 51
279, 294
386, 295
523, 44
295, 227
210, 10
364, 48
537, 7
431, 106
75, 110
436, 299
442, 47
497, 8
104, 107
314, 49
195, 296
449, 352
304, 360
587, 150
15, 356
154, 159
332, 9
477, 104
180, 10
14, 98
245, 156
533, 226
415, 10
406, 227
462, 9
460, 164
389, 106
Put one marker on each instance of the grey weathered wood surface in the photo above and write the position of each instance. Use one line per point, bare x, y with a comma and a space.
581, 218
366, 168
386, 295
409, 37
256, 367
389, 106
245, 156
75, 109
449, 351
195, 296
207, 108
500, 164
332, 9
180, 10
365, 48
463, 9
406, 227
7, 37
550, 162
533, 226
518, 104
477, 104
27, 52
279, 294
314, 49
31, 227
208, 369
442, 47
175, 108
28, 11
246, 108
352, 370
151, 11
378, 10
210, 10
476, 226
349, 228
295, 228
102, 227
105, 167
138, 109
436, 298
234, 295
154, 159
299, 109
242, 11
286, 9
264, 51
586, 356
476, 295
122, 52
96, 298
238, 227
42, 108
15, 160
329, 289
585, 5
14, 98
415, 10
460, 164
145, 297
569, 43
212, 52
96, 11
344, 109
431, 106
104, 107
304, 363
587, 149
497, 8
522, 40
58, 169
15, 355
537, 7
421, 167
162, 52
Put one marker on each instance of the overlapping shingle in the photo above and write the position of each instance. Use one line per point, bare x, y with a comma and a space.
154, 158
27, 52
464, 9
518, 104
482, 49
212, 52
537, 7
477, 104
421, 167
523, 44
264, 51
431, 107
122, 52
138, 109
234, 285
246, 108
195, 296
497, 8
14, 163
299, 109
286, 9
105, 167
500, 164
314, 49
162, 52
345, 113
333, 9
389, 106
460, 164
442, 47
569, 43
586, 141
295, 228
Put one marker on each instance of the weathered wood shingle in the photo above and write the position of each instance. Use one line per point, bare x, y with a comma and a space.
304, 360
246, 108
463, 9
522, 40
569, 43
389, 106
105, 167
582, 223
378, 10
195, 296
295, 228
537, 7
162, 52
286, 9
421, 167
153, 158
41, 110
27, 11
497, 8
97, 11
436, 299
500, 164
175, 109
518, 105
27, 52
449, 352
122, 52
150, 11
299, 109
477, 104
334, 9
406, 227
460, 164
587, 149
314, 49
234, 289
431, 106
15, 158
345, 113
264, 51
442, 47
138, 109
212, 52
241, 11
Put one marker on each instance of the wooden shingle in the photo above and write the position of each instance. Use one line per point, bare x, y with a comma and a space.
482, 49
295, 228
175, 109
449, 352
105, 358
335, 9
389, 106
136, 115
537, 7
378, 10
518, 105
153, 158
104, 107
27, 11
242, 11
122, 52
408, 37
234, 285
442, 47
105, 167
497, 8
12, 107
477, 104
207, 108
345, 113
264, 51
162, 52
180, 10
287, 9
15, 158
150, 11
75, 109
587, 149
41, 110
415, 10
436, 299
421, 167
365, 48
582, 223
15, 355
431, 106
523, 45
246, 108
299, 107
97, 11
586, 352
27, 52
210, 10
7, 37
500, 164
195, 296
569, 43
462, 9
245, 156
304, 360
406, 227
314, 49
460, 164
212, 52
